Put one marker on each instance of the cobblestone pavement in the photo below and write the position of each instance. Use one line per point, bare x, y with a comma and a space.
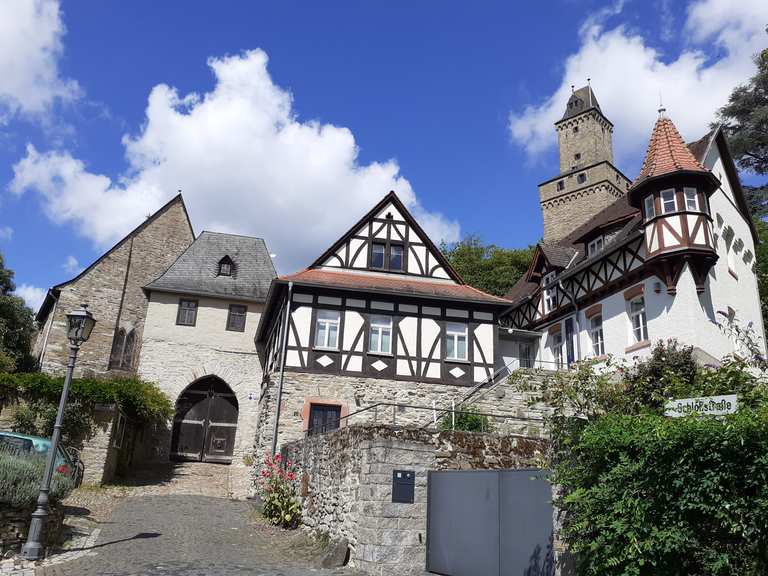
174, 535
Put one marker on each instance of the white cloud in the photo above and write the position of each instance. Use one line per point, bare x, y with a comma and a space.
72, 266
245, 162
628, 75
6, 232
32, 295
30, 48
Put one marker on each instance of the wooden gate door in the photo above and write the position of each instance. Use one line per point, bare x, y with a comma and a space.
205, 423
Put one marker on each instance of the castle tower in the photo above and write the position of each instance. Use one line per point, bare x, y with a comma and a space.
588, 180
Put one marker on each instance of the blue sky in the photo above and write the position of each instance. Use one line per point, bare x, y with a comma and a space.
287, 120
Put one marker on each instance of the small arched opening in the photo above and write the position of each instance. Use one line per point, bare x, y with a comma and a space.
205, 422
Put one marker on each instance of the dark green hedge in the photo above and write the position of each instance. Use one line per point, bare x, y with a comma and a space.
142, 401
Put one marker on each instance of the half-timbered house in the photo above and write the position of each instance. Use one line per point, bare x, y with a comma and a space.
381, 316
672, 258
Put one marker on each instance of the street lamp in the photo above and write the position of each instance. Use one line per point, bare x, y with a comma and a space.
80, 325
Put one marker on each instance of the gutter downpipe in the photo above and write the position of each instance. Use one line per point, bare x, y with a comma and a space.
283, 354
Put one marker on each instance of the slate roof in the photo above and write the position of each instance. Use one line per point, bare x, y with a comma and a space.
392, 284
558, 255
580, 101
620, 210
666, 153
196, 270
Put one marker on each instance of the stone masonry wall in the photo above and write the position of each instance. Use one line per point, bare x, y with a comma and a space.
346, 485
358, 392
113, 291
14, 527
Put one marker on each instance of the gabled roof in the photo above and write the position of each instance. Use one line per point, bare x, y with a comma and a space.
667, 153
54, 291
581, 100
195, 271
393, 198
610, 216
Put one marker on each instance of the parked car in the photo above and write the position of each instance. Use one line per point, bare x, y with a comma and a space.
67, 459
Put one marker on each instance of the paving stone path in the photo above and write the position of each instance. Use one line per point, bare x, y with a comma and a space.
189, 535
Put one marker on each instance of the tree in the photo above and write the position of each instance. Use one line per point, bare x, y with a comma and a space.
488, 267
745, 119
16, 326
761, 265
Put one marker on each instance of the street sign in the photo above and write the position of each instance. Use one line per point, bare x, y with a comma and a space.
705, 405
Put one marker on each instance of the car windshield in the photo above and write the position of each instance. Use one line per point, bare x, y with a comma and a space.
15, 446
18, 445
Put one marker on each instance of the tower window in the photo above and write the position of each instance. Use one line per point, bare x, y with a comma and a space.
575, 129
691, 199
650, 209
668, 203
561, 185
577, 156
581, 178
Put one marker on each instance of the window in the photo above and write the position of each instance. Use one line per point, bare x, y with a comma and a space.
236, 317
119, 431
327, 329
638, 319
595, 246
557, 349
455, 341
575, 129
225, 266
691, 199
387, 256
377, 255
187, 313
650, 207
380, 340
561, 185
323, 418
550, 294
121, 356
668, 203
581, 178
596, 333
577, 156
525, 353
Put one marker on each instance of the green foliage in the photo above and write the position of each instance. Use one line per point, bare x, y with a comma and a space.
761, 265
488, 267
645, 494
278, 491
468, 420
20, 481
745, 118
38, 418
16, 326
142, 401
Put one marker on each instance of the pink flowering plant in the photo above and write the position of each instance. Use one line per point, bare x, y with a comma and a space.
278, 491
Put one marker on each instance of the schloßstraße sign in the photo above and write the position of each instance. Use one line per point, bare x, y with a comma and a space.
705, 405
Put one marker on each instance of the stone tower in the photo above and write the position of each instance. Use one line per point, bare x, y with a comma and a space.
588, 180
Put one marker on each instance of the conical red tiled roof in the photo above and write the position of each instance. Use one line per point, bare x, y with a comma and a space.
666, 153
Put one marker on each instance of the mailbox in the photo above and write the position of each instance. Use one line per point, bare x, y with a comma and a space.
403, 483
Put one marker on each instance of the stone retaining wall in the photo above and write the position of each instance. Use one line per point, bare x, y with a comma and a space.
345, 479
14, 525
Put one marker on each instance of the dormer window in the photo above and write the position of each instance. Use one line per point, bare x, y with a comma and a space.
691, 199
550, 292
668, 202
650, 207
595, 246
225, 266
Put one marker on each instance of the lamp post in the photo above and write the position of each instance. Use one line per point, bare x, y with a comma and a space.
80, 325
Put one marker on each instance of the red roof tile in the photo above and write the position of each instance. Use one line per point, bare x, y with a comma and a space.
393, 284
666, 152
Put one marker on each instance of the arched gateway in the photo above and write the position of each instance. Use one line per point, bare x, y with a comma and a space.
205, 422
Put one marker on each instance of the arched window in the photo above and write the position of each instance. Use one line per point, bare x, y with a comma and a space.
118, 343
127, 360
226, 266
121, 357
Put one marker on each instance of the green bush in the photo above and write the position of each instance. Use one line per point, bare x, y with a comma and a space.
468, 420
142, 401
653, 495
20, 481
39, 416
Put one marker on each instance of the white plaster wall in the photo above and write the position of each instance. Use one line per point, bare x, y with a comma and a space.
175, 356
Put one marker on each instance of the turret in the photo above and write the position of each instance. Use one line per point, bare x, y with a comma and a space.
672, 191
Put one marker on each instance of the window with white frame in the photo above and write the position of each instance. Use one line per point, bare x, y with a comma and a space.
638, 319
650, 207
455, 341
550, 294
668, 202
557, 349
595, 246
596, 333
691, 199
380, 335
327, 329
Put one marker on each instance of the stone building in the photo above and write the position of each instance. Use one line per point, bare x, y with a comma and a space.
113, 289
674, 257
198, 346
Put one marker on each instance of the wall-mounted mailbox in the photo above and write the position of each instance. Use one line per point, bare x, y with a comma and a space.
403, 483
